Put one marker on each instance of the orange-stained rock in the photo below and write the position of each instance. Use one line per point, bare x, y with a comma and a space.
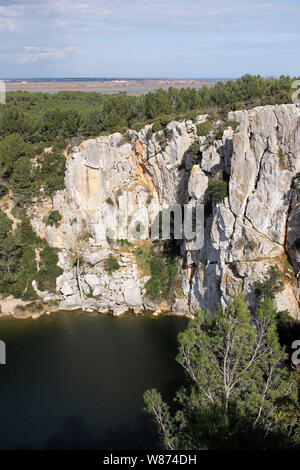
138, 148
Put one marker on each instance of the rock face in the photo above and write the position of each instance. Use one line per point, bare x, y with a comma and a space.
255, 227
258, 224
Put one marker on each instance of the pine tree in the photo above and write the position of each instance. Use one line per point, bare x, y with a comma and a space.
22, 180
237, 381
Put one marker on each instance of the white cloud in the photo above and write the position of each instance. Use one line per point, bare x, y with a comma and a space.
35, 53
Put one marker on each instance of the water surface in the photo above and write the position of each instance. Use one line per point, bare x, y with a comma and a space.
75, 380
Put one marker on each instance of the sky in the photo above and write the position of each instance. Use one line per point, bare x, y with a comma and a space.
149, 38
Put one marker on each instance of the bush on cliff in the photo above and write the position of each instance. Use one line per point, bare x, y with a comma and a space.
54, 218
271, 285
111, 264
49, 271
204, 128
163, 268
218, 190
19, 250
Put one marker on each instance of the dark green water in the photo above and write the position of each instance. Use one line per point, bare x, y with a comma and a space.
75, 381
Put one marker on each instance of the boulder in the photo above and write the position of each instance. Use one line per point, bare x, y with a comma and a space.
211, 160
67, 288
92, 280
180, 307
198, 183
96, 257
132, 295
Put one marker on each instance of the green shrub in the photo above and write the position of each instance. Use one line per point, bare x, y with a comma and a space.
168, 133
137, 126
23, 181
18, 259
149, 134
3, 190
204, 128
127, 138
109, 201
59, 146
111, 264
285, 321
233, 124
157, 126
54, 218
50, 175
25, 234
161, 139
160, 123
124, 242
149, 199
219, 131
181, 166
163, 270
239, 244
139, 227
218, 190
12, 147
252, 245
5, 224
152, 287
195, 149
272, 285
49, 271
282, 159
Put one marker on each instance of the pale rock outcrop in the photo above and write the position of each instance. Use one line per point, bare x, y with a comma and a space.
92, 280
97, 256
255, 227
67, 289
180, 307
132, 295
259, 213
163, 164
211, 160
197, 184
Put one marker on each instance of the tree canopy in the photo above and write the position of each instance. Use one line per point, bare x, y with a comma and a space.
240, 394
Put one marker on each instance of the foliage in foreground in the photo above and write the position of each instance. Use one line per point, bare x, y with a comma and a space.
239, 392
19, 250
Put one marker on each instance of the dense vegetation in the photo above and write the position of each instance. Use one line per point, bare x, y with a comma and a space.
35, 129
20, 249
42, 117
241, 392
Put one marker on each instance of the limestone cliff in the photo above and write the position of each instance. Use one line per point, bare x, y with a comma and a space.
256, 226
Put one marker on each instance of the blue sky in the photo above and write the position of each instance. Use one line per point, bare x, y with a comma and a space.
149, 38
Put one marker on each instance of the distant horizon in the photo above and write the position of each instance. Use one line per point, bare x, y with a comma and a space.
95, 78
91, 78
